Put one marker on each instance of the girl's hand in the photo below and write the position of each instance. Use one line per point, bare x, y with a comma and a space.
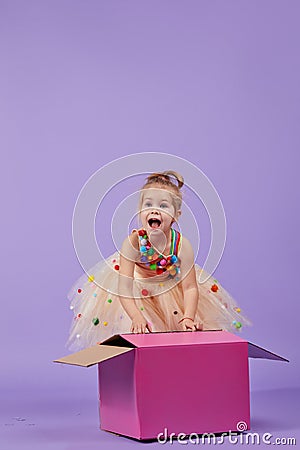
140, 325
190, 325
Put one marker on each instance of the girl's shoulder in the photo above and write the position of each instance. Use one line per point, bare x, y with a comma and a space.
134, 239
186, 248
130, 246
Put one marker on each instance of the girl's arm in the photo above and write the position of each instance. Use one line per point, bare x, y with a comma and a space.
128, 256
189, 286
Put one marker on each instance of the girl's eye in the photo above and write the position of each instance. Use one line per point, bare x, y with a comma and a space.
164, 205
148, 204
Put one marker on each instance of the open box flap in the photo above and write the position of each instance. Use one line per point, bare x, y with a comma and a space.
177, 338
118, 344
93, 355
254, 351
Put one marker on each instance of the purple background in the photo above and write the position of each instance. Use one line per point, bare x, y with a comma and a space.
83, 83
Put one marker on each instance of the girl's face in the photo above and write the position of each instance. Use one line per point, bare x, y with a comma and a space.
157, 210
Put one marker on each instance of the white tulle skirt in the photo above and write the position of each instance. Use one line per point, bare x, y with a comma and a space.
98, 313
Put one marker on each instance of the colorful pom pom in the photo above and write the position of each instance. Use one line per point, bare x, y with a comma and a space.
214, 288
145, 292
154, 260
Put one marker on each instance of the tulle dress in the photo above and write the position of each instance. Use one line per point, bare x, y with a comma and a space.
98, 313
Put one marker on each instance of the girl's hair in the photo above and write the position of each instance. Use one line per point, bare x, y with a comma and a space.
169, 180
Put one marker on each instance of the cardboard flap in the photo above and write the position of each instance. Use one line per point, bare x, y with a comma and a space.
254, 351
179, 338
93, 355
118, 340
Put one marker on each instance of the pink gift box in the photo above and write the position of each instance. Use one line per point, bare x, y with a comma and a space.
158, 384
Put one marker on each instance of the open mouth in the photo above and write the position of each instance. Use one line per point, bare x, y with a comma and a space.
154, 223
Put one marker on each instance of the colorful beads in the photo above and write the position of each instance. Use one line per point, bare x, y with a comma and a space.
237, 324
91, 278
79, 291
95, 295
175, 312
109, 300
105, 324
96, 321
142, 309
214, 288
78, 316
145, 292
117, 267
154, 260
237, 309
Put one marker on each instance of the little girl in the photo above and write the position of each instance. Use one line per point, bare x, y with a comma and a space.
152, 284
